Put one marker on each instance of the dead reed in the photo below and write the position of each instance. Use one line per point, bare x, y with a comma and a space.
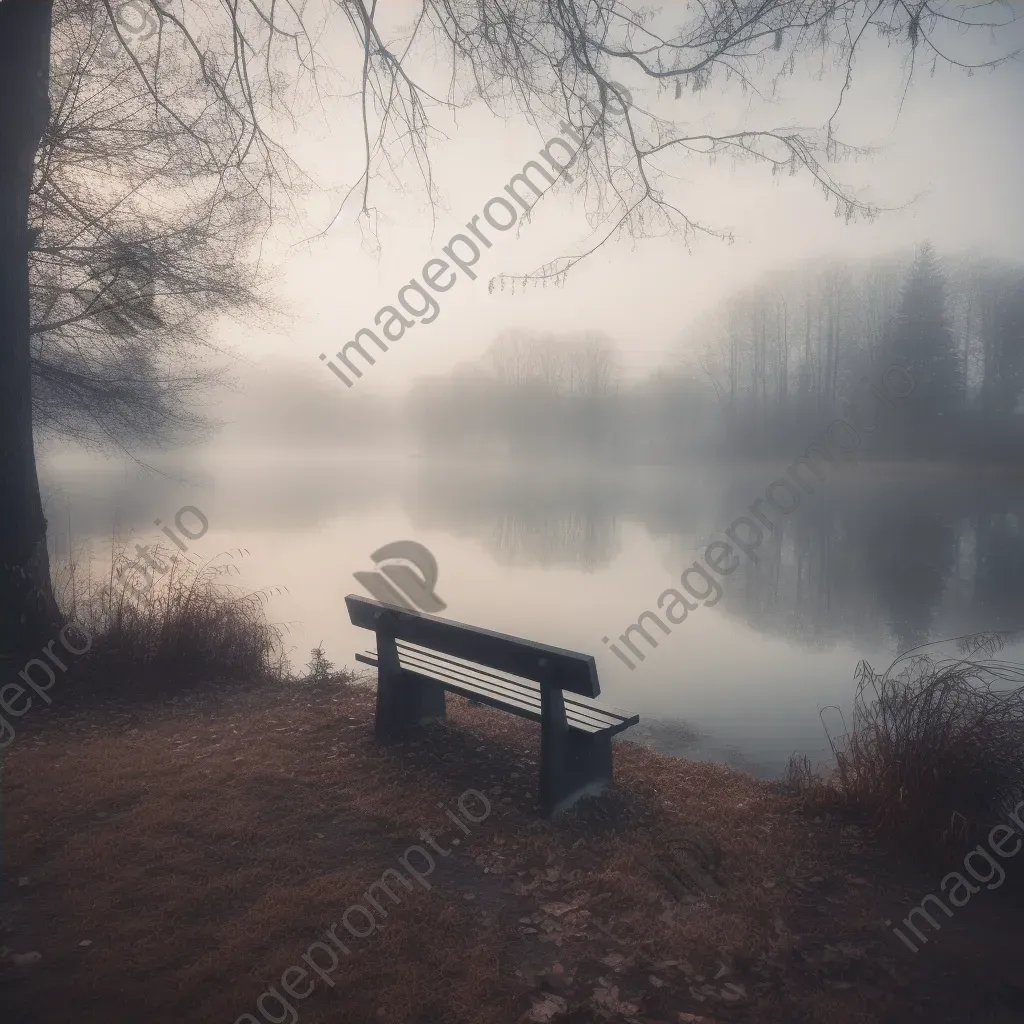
936, 753
192, 622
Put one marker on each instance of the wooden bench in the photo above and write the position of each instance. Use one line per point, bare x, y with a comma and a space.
419, 657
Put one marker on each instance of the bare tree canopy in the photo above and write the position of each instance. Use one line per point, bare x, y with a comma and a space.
561, 62
135, 250
217, 86
260, 64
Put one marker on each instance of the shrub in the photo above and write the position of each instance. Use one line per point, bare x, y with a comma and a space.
320, 670
799, 778
191, 624
936, 755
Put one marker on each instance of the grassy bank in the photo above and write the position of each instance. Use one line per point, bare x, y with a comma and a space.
179, 857
190, 819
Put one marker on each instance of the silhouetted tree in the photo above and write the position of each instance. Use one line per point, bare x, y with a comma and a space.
1003, 382
790, 351
126, 286
921, 340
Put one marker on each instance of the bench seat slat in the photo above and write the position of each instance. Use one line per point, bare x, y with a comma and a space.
522, 700
575, 714
449, 675
598, 710
578, 719
523, 706
519, 708
583, 712
513, 689
458, 674
467, 682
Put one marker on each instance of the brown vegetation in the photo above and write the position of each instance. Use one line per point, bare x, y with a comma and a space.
176, 859
188, 625
935, 758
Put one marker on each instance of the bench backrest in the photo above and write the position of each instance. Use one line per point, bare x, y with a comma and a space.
563, 669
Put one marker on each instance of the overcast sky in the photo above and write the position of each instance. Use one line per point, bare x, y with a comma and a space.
957, 144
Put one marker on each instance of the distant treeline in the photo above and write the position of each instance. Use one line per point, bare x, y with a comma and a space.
764, 372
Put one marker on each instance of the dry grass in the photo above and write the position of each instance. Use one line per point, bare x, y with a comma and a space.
153, 630
201, 846
936, 755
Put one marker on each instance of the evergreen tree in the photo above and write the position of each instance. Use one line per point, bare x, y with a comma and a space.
921, 340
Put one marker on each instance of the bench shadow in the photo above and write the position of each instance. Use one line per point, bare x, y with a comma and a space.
458, 755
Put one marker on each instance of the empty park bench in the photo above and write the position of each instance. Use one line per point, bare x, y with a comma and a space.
419, 657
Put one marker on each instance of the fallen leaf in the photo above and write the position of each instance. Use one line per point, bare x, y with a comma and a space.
556, 909
545, 1008
608, 999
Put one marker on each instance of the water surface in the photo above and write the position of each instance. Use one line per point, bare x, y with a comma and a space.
878, 560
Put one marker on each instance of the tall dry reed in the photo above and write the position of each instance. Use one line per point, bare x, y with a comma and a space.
936, 752
193, 623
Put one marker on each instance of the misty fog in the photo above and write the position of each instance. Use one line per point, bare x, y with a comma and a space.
566, 450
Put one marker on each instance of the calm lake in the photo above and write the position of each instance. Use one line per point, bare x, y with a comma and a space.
878, 560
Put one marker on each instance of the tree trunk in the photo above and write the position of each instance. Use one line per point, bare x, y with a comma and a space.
967, 345
28, 612
833, 384
784, 369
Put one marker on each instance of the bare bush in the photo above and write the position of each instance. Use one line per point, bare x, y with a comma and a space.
191, 625
936, 754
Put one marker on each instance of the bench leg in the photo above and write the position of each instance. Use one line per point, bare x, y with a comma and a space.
582, 766
573, 764
403, 703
